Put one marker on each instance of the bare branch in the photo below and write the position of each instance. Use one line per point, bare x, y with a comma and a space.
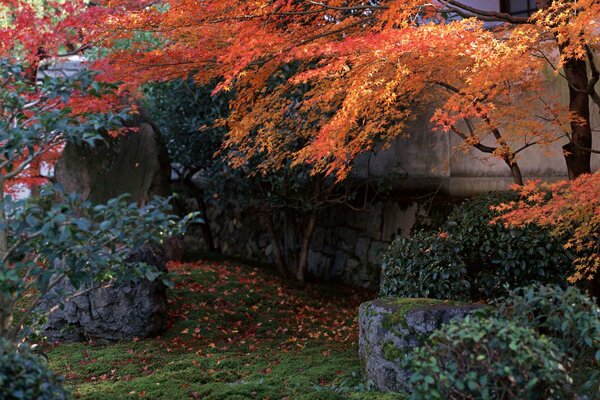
470, 11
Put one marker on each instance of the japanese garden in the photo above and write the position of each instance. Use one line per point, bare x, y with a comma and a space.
299, 199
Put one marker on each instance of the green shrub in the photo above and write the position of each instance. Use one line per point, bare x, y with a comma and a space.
473, 258
488, 358
498, 258
569, 317
25, 376
425, 265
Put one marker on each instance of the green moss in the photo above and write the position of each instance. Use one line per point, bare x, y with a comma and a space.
391, 352
214, 360
403, 305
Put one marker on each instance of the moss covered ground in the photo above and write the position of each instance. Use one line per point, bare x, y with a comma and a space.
235, 332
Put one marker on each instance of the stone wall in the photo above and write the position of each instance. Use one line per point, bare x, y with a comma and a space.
347, 244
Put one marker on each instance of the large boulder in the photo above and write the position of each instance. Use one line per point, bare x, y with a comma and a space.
109, 312
136, 163
391, 327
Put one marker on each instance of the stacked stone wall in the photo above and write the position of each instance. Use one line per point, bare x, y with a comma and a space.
347, 244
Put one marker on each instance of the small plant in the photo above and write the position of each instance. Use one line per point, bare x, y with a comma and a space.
25, 375
489, 358
425, 265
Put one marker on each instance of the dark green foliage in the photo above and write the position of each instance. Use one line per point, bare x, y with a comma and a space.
489, 358
497, 256
25, 376
60, 236
473, 258
567, 316
425, 265
189, 118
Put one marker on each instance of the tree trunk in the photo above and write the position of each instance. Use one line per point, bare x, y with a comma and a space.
515, 171
277, 251
577, 154
206, 231
306, 239
290, 232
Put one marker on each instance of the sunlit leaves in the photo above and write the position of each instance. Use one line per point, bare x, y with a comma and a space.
367, 67
572, 208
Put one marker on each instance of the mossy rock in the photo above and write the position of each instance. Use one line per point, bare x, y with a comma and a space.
390, 327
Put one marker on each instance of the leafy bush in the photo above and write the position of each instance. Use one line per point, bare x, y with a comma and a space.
569, 317
488, 358
425, 265
25, 376
498, 257
473, 258
92, 241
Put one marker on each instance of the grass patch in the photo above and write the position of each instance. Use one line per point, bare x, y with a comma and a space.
235, 332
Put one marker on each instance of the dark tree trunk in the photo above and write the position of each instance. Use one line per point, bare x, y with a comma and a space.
198, 194
577, 154
206, 230
515, 171
306, 239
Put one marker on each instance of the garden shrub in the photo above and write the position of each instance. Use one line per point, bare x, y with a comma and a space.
425, 265
472, 258
488, 358
569, 317
25, 375
497, 257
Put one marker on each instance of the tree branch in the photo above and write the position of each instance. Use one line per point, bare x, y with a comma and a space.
595, 76
460, 7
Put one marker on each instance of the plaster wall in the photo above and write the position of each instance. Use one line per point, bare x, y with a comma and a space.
425, 159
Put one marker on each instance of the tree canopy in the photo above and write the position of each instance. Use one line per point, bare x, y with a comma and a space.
367, 67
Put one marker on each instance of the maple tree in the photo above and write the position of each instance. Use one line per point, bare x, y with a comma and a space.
368, 65
320, 82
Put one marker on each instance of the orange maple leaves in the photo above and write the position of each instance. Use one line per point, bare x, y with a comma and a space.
572, 208
367, 68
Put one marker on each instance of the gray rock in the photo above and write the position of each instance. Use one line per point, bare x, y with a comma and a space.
109, 312
339, 263
136, 163
361, 250
346, 237
376, 251
375, 222
389, 328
